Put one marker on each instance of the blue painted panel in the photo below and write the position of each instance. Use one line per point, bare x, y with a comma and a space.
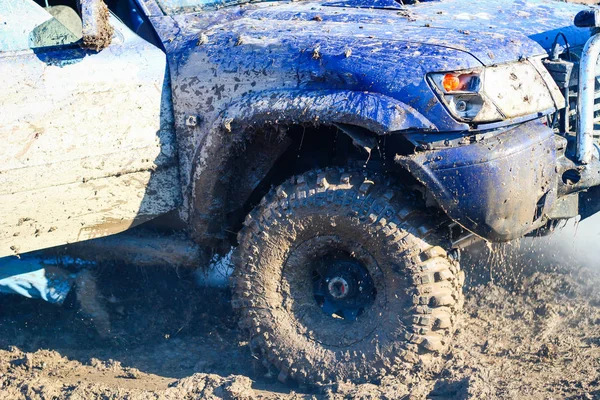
30, 277
498, 188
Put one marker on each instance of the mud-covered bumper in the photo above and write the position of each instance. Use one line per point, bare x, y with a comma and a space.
503, 187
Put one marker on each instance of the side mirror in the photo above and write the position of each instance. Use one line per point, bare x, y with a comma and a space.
588, 19
96, 29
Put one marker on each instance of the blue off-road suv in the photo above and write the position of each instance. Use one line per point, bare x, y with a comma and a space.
349, 149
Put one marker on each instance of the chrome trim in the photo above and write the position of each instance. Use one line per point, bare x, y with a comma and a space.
585, 100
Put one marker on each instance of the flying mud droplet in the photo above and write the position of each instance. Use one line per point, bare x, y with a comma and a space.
202, 39
88, 296
316, 53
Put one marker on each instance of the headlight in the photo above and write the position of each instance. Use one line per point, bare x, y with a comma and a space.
493, 93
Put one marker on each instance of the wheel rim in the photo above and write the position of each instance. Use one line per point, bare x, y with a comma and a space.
336, 322
343, 287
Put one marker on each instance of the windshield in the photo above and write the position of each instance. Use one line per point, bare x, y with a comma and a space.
185, 6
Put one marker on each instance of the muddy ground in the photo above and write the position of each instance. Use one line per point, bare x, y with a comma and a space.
529, 330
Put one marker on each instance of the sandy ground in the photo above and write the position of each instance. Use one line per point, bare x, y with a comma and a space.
530, 329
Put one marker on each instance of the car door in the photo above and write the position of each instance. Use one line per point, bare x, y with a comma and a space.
87, 144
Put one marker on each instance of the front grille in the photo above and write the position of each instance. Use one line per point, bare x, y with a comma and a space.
566, 76
573, 107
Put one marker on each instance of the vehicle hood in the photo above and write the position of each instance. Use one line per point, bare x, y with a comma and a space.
226, 54
492, 31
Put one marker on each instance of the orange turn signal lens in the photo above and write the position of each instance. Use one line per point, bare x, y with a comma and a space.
451, 82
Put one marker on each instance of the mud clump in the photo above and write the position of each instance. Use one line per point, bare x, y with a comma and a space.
49, 380
103, 31
212, 387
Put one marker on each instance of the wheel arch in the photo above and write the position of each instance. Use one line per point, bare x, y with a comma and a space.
232, 154
372, 111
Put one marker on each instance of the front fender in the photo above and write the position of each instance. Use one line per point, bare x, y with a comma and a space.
212, 174
377, 113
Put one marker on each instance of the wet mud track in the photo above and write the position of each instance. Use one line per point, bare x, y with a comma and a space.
527, 332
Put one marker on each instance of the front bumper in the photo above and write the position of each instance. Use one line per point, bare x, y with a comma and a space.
506, 186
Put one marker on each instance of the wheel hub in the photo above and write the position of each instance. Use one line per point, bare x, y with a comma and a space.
339, 287
343, 287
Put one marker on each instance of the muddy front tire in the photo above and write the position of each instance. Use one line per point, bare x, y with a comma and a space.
340, 276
